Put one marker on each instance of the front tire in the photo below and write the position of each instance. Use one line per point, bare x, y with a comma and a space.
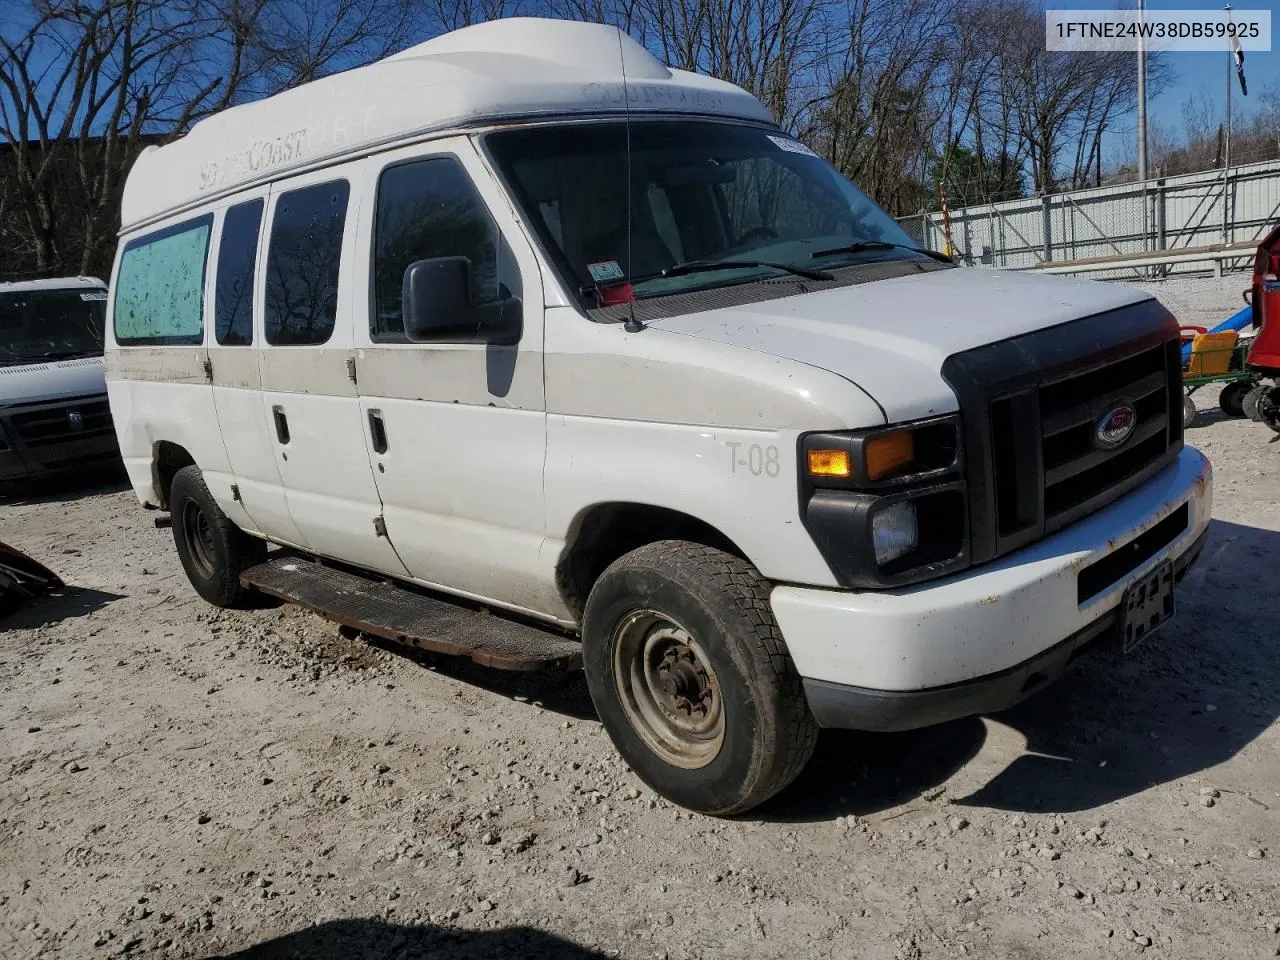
1188, 411
213, 550
691, 677
1231, 399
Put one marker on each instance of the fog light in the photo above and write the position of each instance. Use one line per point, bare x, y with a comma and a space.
893, 531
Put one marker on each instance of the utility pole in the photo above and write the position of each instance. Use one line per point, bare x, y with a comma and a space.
1142, 128
1142, 99
1226, 146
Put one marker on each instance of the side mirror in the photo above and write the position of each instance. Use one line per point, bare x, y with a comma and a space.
436, 306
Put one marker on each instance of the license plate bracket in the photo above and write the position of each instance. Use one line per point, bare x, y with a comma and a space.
1147, 606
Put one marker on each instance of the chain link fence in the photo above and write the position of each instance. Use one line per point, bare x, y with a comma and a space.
1175, 214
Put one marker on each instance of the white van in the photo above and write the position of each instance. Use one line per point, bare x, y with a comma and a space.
523, 319
54, 416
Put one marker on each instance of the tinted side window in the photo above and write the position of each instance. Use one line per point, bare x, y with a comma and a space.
160, 286
426, 209
233, 287
302, 263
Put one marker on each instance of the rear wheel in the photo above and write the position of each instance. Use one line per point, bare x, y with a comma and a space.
1231, 399
213, 550
1188, 411
692, 680
1250, 403
1269, 408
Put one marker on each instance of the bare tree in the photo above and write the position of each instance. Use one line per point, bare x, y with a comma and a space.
84, 86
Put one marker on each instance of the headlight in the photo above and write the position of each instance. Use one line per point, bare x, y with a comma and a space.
880, 458
887, 506
893, 531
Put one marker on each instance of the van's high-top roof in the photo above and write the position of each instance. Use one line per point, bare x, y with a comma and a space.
518, 67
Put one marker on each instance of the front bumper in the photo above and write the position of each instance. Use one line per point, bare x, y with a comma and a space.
983, 639
57, 436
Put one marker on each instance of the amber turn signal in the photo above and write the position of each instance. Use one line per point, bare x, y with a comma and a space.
830, 463
888, 453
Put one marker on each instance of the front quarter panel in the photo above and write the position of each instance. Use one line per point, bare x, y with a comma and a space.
705, 429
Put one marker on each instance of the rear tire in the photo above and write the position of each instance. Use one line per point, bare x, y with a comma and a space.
1188, 411
1250, 403
213, 550
691, 677
1231, 399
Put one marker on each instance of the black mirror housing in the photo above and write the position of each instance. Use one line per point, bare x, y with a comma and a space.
436, 300
437, 307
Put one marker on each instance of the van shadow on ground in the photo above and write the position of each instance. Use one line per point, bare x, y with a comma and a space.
376, 940
557, 691
1204, 688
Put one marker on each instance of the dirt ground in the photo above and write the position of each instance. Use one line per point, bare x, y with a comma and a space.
183, 782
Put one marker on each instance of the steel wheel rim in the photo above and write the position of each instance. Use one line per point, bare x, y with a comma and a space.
668, 690
197, 531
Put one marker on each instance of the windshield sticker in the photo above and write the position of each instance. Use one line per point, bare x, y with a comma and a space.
97, 295
605, 270
791, 146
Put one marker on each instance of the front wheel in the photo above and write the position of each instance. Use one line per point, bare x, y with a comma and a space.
1231, 399
691, 677
1188, 411
213, 550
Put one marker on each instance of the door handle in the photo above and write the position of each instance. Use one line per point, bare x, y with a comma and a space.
282, 424
377, 431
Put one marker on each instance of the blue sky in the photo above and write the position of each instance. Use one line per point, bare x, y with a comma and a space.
1197, 73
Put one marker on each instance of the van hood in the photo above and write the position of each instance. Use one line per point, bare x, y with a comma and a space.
890, 337
53, 380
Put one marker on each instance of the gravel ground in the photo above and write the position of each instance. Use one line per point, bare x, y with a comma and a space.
185, 782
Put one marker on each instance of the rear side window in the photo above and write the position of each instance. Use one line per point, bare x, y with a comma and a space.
302, 264
427, 209
159, 296
233, 288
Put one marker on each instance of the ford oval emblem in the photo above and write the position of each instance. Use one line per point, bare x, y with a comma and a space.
1115, 426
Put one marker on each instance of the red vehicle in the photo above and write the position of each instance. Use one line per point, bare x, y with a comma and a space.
1263, 402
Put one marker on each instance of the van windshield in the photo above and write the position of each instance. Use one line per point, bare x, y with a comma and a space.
51, 324
700, 193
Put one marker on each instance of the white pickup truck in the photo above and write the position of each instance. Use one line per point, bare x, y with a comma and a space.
524, 347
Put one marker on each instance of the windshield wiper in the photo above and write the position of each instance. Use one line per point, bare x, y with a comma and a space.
858, 246
699, 266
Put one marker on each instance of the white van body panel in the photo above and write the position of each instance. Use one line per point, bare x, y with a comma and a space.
325, 470
461, 479
891, 336
161, 395
247, 436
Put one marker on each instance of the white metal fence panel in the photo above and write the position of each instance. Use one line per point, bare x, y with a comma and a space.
1192, 210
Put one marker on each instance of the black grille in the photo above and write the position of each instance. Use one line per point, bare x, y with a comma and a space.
1076, 469
57, 424
1031, 408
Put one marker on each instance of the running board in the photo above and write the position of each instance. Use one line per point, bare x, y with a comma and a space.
405, 616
